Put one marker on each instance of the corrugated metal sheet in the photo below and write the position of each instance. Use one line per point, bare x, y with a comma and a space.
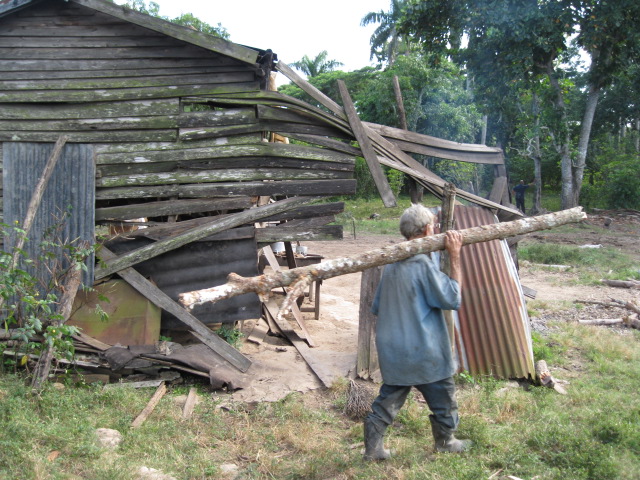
70, 191
200, 265
493, 334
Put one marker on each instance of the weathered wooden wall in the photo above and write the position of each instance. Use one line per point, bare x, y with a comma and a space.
171, 141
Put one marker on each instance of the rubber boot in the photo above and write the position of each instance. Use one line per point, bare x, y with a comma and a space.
373, 442
445, 441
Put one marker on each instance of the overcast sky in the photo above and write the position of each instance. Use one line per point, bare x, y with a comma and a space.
291, 28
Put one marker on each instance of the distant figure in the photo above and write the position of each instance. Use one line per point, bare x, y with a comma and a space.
519, 191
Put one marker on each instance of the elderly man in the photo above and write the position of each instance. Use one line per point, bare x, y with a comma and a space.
413, 341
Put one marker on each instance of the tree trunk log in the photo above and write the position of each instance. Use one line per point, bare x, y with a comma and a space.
622, 283
263, 284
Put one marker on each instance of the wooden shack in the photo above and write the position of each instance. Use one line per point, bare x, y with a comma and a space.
173, 130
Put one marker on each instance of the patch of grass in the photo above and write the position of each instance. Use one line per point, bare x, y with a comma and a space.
591, 264
593, 432
358, 214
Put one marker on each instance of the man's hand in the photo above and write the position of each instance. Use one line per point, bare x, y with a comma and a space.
453, 242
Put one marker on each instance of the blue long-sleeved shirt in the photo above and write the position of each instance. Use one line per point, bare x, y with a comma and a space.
411, 333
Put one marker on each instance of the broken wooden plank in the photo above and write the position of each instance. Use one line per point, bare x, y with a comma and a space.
162, 300
143, 384
326, 377
258, 332
90, 341
273, 263
369, 154
198, 233
189, 404
155, 399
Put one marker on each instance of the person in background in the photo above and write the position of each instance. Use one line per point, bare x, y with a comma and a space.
412, 338
519, 190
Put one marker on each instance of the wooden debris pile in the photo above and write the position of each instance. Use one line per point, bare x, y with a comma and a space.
631, 320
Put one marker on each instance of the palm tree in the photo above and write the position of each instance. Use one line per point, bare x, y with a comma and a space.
314, 67
385, 40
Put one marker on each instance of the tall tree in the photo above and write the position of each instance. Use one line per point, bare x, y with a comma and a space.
312, 67
386, 41
513, 40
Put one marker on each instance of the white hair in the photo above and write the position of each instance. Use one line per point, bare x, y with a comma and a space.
414, 219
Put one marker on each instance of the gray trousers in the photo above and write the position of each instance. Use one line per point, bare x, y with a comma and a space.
440, 397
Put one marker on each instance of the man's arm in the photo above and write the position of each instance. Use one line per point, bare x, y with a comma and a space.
453, 244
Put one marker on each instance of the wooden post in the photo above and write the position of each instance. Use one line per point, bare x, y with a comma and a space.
367, 361
446, 223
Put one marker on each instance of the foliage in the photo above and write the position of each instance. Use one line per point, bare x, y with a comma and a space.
186, 19
230, 334
312, 67
386, 42
28, 302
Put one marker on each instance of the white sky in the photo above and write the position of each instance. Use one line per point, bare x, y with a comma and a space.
291, 28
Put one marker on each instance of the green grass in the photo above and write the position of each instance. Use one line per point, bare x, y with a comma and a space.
591, 264
534, 432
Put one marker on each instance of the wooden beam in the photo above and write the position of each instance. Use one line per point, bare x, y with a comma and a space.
162, 300
369, 154
197, 233
148, 409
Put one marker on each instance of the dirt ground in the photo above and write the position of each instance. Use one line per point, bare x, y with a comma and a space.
278, 369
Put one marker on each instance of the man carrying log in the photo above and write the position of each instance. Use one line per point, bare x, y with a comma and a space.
412, 338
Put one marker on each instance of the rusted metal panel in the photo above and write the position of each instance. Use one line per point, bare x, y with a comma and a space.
66, 212
493, 326
200, 265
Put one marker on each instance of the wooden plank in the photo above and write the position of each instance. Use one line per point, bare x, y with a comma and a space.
498, 189
190, 403
258, 332
134, 149
188, 134
307, 211
133, 108
112, 94
171, 207
208, 42
162, 300
368, 152
198, 233
92, 342
126, 82
278, 150
226, 175
295, 310
92, 136
326, 377
298, 234
204, 119
148, 409
293, 187
485, 158
310, 89
106, 65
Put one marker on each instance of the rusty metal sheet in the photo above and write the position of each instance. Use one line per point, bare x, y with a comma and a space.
67, 206
493, 334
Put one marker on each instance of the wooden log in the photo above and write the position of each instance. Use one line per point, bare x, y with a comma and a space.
634, 284
367, 359
263, 284
162, 300
369, 154
446, 224
198, 233
148, 409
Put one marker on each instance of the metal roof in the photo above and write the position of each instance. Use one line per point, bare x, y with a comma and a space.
492, 333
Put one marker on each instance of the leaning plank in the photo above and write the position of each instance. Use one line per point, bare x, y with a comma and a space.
369, 154
162, 300
263, 284
157, 396
325, 376
190, 403
198, 233
275, 266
